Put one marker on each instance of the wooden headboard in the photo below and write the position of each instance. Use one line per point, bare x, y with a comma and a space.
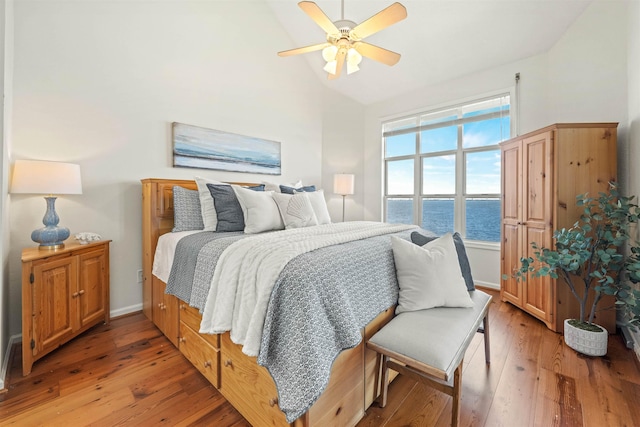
157, 219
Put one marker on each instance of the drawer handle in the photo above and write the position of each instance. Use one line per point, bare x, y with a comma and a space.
273, 401
75, 295
183, 307
228, 362
81, 292
207, 364
182, 339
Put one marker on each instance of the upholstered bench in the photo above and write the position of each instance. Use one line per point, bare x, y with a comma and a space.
429, 346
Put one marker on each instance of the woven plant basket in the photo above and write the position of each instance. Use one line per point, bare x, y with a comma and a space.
586, 342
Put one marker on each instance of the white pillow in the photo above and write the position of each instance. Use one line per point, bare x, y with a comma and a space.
270, 186
296, 210
208, 209
319, 205
429, 276
259, 210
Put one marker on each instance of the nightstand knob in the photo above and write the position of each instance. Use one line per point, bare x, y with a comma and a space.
273, 401
81, 292
183, 307
207, 364
228, 362
182, 339
75, 295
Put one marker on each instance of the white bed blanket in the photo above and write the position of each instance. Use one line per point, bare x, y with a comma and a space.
248, 269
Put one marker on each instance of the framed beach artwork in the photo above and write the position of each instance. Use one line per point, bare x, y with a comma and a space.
197, 147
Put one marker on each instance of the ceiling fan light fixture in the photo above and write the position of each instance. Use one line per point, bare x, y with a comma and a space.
353, 57
331, 67
352, 68
329, 53
353, 60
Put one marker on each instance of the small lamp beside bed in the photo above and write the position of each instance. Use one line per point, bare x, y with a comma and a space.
49, 179
343, 184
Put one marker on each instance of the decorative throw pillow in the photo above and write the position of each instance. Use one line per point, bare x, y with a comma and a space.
319, 205
429, 275
259, 210
465, 267
289, 190
209, 217
186, 210
228, 210
270, 186
296, 210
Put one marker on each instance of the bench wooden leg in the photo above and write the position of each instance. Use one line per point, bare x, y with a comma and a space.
487, 346
457, 392
385, 380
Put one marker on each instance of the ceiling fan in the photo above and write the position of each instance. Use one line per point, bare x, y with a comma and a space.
344, 38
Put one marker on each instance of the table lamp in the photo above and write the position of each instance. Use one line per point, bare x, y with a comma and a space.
343, 184
47, 178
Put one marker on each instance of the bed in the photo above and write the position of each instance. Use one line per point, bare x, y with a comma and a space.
233, 368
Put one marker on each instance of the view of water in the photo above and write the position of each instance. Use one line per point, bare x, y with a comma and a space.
482, 217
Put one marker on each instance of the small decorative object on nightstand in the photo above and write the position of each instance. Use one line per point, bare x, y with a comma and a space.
64, 293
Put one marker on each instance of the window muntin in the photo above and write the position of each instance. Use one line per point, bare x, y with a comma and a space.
457, 184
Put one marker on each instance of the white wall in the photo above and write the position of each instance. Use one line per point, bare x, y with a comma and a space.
343, 144
582, 78
6, 29
99, 83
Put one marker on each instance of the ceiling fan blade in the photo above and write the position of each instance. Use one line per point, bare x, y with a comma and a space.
318, 16
305, 49
381, 20
340, 57
377, 53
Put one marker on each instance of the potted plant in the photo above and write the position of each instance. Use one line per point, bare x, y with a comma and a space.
589, 258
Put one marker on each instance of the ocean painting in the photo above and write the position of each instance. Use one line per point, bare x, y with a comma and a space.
197, 147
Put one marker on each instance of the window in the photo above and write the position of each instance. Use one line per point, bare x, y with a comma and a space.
442, 168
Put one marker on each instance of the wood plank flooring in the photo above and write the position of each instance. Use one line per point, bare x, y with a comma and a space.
128, 373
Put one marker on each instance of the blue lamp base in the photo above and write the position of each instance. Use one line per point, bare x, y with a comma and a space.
50, 236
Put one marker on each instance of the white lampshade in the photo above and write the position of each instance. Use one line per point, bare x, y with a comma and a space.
343, 183
44, 177
331, 67
329, 53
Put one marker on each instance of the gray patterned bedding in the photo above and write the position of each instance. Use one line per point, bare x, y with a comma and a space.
318, 306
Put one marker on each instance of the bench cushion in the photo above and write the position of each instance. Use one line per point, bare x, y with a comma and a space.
437, 337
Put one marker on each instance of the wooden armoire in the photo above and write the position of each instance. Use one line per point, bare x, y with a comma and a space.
542, 173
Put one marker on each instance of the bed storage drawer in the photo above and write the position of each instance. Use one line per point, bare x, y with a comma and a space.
248, 386
200, 353
191, 317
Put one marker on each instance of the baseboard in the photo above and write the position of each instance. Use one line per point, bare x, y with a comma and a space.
5, 362
494, 286
125, 310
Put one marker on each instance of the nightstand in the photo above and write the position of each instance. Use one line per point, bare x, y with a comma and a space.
64, 293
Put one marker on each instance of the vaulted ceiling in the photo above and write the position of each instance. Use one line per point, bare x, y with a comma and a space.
439, 40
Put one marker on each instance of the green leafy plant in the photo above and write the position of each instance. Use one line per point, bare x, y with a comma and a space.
590, 256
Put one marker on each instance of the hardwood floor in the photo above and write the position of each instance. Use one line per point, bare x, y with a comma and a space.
129, 374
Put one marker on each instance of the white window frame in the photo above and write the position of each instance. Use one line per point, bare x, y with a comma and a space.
460, 195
